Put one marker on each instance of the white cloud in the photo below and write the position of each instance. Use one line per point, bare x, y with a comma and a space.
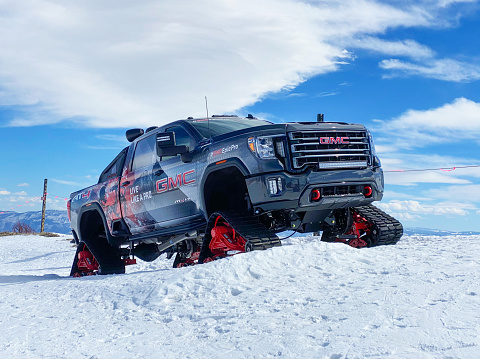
414, 178
127, 63
296, 94
69, 183
22, 193
327, 94
415, 208
57, 204
418, 128
406, 216
408, 48
468, 194
445, 3
23, 185
384, 149
17, 202
4, 192
405, 160
440, 69
111, 138
390, 195
407, 169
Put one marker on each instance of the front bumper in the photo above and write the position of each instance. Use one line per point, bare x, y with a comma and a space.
340, 188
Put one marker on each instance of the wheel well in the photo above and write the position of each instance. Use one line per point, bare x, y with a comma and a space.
226, 189
91, 226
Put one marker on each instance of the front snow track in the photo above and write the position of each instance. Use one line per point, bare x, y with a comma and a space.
388, 229
229, 231
366, 226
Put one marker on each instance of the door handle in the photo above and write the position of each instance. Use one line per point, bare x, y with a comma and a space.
125, 184
158, 173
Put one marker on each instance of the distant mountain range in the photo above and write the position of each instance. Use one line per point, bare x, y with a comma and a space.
55, 221
436, 232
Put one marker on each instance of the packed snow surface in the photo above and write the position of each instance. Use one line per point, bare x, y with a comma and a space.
307, 299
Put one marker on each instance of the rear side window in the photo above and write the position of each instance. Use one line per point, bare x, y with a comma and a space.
145, 153
115, 167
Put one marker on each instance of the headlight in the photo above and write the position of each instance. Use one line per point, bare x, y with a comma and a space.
262, 146
372, 144
268, 147
373, 151
265, 147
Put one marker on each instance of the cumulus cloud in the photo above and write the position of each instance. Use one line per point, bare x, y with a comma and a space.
130, 63
23, 185
440, 69
417, 128
4, 192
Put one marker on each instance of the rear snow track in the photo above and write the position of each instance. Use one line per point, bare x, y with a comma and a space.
307, 299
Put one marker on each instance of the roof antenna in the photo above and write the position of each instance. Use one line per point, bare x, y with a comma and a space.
208, 119
206, 105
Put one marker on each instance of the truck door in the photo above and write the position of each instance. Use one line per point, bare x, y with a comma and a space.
176, 184
138, 187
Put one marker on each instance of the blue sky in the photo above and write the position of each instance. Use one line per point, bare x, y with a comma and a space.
74, 76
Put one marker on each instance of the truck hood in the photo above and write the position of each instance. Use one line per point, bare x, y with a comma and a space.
292, 127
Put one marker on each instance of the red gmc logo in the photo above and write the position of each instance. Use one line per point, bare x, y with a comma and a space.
169, 183
334, 140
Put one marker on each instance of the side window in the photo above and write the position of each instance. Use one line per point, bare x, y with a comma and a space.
145, 153
114, 169
182, 138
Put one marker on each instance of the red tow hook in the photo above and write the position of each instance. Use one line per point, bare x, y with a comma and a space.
367, 191
315, 195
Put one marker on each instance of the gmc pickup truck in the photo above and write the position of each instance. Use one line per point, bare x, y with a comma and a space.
213, 187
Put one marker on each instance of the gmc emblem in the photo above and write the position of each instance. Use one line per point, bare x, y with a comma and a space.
334, 140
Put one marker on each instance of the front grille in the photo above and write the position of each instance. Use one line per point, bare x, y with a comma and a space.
329, 150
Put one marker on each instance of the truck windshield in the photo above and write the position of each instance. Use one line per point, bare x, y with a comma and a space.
215, 127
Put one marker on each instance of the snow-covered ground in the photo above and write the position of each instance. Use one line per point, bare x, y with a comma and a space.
307, 299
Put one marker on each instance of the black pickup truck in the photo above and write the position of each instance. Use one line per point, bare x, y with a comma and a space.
213, 187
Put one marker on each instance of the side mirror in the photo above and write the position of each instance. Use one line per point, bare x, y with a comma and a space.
133, 134
187, 157
166, 145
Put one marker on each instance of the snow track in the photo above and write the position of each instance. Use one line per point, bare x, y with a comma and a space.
307, 299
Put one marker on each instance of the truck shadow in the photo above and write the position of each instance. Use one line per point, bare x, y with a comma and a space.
15, 279
39, 257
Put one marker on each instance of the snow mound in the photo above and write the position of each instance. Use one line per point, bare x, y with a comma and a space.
418, 299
